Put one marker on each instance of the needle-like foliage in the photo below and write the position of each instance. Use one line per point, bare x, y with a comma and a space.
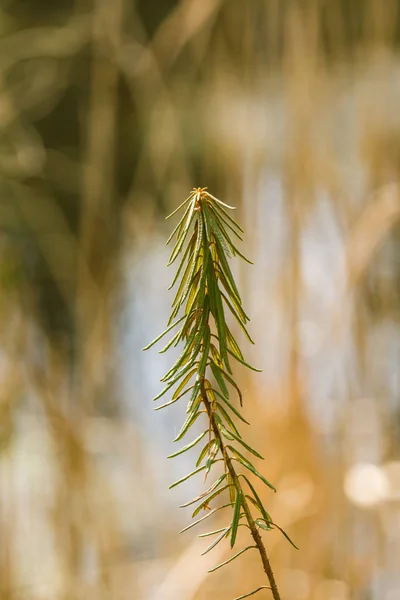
206, 290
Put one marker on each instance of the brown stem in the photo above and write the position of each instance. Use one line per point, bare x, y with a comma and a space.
246, 509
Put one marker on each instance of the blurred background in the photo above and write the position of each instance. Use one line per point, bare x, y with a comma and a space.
110, 112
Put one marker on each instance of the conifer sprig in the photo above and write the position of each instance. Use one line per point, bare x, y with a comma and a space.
205, 290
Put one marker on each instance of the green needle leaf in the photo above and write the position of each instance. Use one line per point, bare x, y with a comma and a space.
226, 268
261, 523
205, 450
207, 516
178, 226
227, 434
210, 489
247, 446
183, 383
186, 477
173, 400
191, 418
181, 240
264, 513
217, 541
206, 349
250, 467
203, 535
216, 372
233, 409
188, 446
236, 517
163, 333
224, 222
180, 206
286, 535
262, 587
220, 210
185, 286
231, 559
234, 345
228, 419
221, 203
243, 362
228, 378
171, 342
209, 498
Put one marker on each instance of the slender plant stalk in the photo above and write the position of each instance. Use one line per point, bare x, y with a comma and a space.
245, 505
206, 289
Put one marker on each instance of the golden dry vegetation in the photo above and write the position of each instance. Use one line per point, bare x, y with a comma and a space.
110, 112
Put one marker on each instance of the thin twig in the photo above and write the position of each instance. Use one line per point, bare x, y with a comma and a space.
246, 509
